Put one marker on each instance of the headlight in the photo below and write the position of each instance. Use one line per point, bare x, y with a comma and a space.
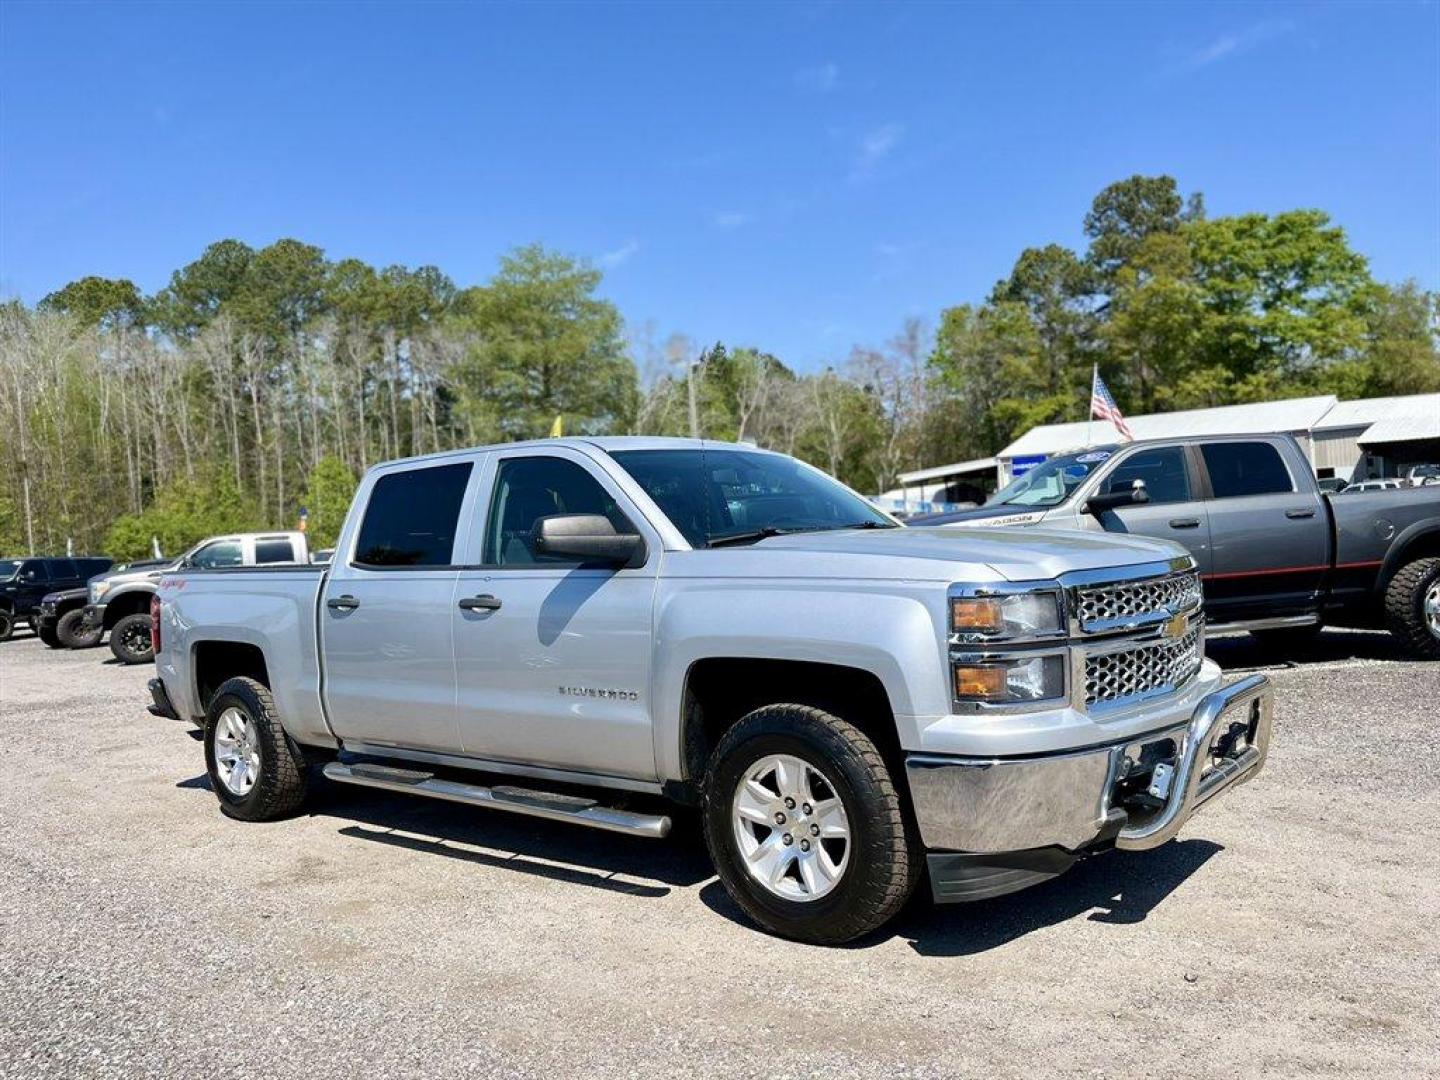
1013, 615
98, 589
1028, 678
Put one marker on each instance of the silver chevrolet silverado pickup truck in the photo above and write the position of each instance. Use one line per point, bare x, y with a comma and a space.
590, 630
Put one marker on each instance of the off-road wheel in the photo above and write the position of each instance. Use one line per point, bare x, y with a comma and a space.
1412, 608
805, 826
257, 773
7, 624
45, 631
75, 633
130, 640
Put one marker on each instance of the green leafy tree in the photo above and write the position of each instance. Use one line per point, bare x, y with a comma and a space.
1130, 211
109, 303
182, 514
546, 346
198, 291
328, 492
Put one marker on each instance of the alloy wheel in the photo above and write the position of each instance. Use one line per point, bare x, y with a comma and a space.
791, 828
237, 751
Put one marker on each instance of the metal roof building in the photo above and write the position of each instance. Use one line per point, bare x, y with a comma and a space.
1350, 439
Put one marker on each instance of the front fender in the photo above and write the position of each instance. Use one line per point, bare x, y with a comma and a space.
893, 630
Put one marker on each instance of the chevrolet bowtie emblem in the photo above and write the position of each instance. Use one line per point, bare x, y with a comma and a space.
1175, 627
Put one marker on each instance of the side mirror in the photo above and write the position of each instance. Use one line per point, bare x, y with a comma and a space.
586, 538
1111, 500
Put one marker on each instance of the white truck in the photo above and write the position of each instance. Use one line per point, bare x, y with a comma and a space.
562, 628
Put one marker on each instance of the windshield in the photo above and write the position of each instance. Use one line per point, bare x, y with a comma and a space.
1051, 482
8, 568
710, 495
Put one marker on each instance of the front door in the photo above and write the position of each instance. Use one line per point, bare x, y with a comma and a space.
1175, 510
552, 659
385, 623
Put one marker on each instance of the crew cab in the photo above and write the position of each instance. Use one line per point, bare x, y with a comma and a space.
25, 582
1278, 557
120, 602
560, 628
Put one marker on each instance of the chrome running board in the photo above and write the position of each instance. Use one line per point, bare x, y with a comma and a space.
1246, 625
543, 804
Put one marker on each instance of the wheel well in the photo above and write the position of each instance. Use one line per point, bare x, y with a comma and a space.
1423, 546
130, 603
216, 661
721, 690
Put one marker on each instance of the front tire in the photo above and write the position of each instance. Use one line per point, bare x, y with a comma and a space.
46, 632
75, 633
806, 828
1412, 608
256, 772
7, 625
130, 640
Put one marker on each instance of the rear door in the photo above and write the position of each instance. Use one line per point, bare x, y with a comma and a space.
555, 670
1268, 531
385, 615
1175, 511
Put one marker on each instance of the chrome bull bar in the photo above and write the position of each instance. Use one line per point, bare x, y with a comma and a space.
1199, 774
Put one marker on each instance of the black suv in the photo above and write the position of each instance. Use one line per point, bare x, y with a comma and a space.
24, 583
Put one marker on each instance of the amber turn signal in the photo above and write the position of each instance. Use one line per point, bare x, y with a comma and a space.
979, 683
976, 615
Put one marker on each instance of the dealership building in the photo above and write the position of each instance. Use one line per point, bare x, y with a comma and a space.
1352, 440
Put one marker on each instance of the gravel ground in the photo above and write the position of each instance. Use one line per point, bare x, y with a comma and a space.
1290, 930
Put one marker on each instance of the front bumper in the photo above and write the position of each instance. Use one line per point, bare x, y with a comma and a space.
94, 615
993, 825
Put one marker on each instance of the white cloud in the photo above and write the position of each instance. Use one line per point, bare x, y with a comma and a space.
875, 146
732, 219
620, 255
1241, 41
823, 79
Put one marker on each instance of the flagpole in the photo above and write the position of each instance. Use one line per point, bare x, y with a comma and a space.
1090, 406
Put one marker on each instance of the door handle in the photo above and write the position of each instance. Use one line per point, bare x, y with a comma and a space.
1184, 523
485, 602
1302, 512
342, 603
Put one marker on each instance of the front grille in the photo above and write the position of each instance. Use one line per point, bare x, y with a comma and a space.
1113, 678
1104, 604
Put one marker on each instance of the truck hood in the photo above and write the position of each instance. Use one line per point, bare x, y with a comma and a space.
1014, 554
984, 515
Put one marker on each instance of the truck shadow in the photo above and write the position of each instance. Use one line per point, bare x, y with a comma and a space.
1242, 651
552, 850
1119, 887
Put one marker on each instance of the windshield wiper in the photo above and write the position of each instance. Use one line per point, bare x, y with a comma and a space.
869, 525
743, 537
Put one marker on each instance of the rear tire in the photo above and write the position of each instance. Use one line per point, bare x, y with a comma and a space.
256, 772
1412, 608
130, 640
863, 883
75, 633
7, 625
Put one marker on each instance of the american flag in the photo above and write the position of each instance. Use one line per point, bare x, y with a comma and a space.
1103, 407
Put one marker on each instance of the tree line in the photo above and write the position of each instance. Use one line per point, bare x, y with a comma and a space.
258, 381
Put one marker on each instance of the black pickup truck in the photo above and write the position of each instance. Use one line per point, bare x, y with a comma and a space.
1278, 557
25, 582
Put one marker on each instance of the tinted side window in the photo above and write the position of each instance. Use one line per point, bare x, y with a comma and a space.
411, 517
1245, 468
90, 567
62, 570
220, 553
529, 488
33, 571
273, 551
1163, 470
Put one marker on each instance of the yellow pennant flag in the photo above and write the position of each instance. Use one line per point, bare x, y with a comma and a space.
557, 429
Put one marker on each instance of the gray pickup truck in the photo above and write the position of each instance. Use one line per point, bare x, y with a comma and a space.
1278, 557
562, 628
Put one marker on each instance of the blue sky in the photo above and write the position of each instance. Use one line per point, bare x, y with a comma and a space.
798, 177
